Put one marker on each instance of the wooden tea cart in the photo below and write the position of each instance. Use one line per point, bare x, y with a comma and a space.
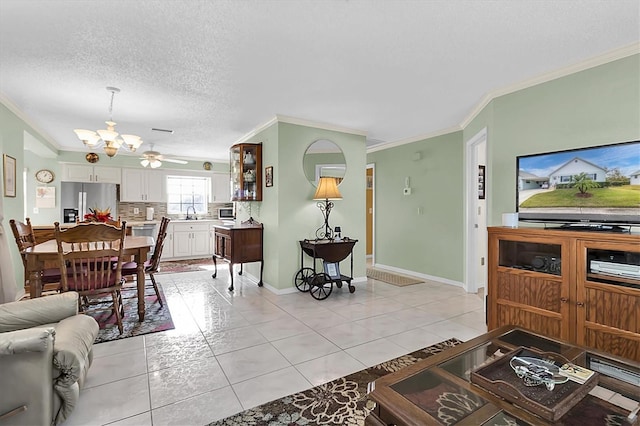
331, 252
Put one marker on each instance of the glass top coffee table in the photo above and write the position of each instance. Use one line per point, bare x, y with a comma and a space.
445, 390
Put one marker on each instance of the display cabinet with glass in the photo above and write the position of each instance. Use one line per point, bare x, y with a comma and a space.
246, 172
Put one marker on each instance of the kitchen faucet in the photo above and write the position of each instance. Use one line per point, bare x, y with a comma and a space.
189, 217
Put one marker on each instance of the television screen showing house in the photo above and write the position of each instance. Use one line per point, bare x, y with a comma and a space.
596, 184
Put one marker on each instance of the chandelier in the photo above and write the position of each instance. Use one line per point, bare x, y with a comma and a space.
109, 137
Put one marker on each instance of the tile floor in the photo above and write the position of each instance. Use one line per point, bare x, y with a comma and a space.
230, 352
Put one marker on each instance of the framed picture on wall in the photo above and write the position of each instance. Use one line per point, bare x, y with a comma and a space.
9, 174
481, 171
268, 176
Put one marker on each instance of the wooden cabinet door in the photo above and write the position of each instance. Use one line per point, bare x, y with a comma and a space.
607, 306
529, 298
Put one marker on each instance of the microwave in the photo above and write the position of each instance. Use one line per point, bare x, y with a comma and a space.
226, 213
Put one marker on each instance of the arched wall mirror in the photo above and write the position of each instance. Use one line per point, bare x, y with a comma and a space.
324, 158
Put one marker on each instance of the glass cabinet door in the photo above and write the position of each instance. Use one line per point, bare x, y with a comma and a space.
246, 172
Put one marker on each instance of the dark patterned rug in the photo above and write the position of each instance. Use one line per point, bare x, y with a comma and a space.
156, 318
188, 265
340, 402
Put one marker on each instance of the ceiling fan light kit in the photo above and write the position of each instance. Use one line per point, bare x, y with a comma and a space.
154, 159
110, 138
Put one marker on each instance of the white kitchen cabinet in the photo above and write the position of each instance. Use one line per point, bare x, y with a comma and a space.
191, 240
86, 173
143, 185
221, 188
167, 248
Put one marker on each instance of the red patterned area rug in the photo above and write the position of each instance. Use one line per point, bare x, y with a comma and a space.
156, 318
189, 265
340, 402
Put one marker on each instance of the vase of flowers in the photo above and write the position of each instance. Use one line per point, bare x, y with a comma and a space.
97, 215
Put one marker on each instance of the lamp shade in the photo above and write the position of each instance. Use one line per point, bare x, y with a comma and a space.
327, 189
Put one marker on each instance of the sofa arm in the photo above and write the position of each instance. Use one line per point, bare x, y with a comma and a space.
72, 351
30, 340
26, 364
34, 312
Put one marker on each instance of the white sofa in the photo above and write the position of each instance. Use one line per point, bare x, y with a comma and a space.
45, 353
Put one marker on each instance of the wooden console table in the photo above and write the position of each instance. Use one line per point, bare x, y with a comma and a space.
438, 390
238, 244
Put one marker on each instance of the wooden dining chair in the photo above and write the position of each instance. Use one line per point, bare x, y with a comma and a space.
25, 238
152, 265
86, 252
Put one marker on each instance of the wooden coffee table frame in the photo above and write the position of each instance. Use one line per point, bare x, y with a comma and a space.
393, 408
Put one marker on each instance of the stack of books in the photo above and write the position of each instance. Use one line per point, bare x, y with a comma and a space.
576, 373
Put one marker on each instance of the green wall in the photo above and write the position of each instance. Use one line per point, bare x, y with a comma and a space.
420, 232
288, 211
597, 106
12, 136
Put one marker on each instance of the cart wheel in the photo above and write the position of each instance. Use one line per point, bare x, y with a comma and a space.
303, 279
352, 289
339, 284
321, 286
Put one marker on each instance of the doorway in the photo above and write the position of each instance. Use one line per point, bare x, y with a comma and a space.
370, 213
476, 213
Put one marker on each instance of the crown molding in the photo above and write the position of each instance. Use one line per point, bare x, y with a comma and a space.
613, 55
11, 106
318, 125
387, 145
256, 130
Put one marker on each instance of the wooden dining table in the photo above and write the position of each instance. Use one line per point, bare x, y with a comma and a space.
138, 247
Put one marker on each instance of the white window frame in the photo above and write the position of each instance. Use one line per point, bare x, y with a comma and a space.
201, 208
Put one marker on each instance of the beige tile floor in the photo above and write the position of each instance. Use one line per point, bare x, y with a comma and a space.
233, 351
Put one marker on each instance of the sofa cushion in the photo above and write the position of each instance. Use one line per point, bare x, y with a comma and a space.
29, 340
35, 312
74, 340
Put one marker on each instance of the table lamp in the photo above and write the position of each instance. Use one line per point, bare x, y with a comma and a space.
327, 190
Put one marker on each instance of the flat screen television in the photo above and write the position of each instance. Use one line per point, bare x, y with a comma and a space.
581, 187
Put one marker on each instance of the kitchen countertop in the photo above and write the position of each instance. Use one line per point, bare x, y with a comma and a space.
140, 222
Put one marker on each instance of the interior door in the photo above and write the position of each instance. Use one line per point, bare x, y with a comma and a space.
369, 207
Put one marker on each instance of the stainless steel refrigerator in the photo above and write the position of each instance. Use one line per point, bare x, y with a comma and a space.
78, 198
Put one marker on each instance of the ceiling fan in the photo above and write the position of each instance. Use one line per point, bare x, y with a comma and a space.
154, 159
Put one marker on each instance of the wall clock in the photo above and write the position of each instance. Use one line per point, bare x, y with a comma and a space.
44, 176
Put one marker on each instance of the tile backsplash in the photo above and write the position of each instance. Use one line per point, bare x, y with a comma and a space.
126, 211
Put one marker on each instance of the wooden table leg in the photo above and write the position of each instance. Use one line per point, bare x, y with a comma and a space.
35, 267
260, 284
140, 284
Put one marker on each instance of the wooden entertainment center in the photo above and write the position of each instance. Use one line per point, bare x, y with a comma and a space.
566, 284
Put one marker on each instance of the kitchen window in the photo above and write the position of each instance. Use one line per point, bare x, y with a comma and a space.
187, 191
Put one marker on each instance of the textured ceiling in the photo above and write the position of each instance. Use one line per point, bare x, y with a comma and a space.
212, 71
